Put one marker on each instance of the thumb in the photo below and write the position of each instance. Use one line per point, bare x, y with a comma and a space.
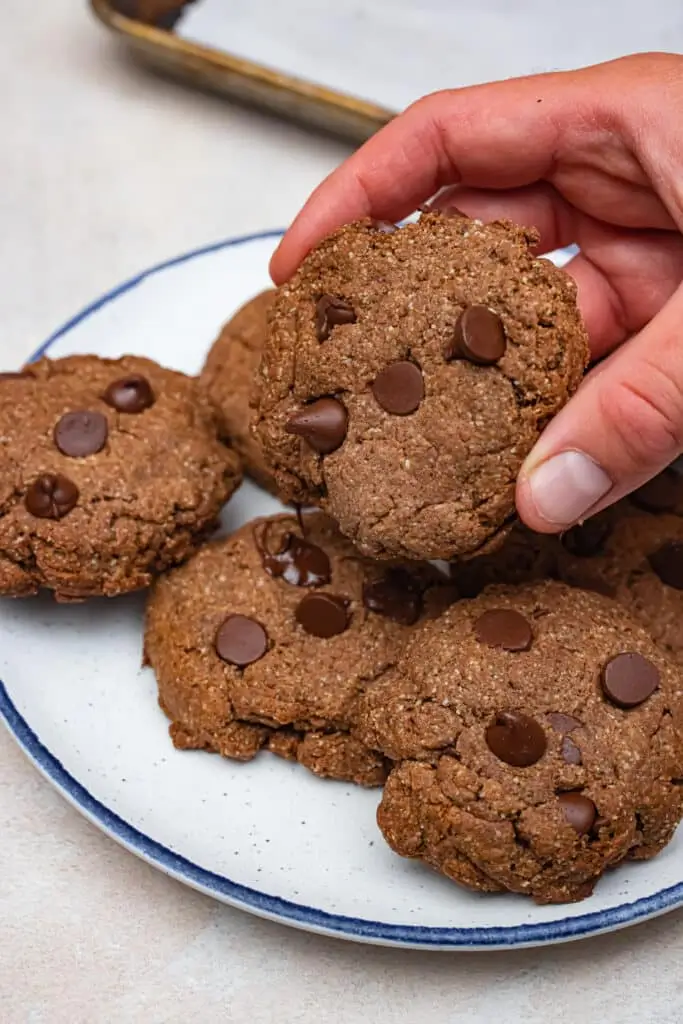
624, 425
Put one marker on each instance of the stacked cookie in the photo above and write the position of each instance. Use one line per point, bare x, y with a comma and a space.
522, 708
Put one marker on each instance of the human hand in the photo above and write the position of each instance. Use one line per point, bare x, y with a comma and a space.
592, 157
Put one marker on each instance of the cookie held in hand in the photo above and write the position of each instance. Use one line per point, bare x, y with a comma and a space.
407, 374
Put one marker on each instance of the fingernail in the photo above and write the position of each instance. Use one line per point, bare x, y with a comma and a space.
566, 486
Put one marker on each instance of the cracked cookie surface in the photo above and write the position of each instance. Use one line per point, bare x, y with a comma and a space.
269, 638
408, 372
111, 471
537, 731
230, 376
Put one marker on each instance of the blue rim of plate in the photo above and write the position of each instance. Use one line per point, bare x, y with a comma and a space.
275, 907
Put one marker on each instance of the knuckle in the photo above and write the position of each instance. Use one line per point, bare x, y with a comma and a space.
645, 421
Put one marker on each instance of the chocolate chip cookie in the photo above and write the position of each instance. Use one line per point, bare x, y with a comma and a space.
269, 638
408, 372
110, 470
637, 559
537, 731
229, 377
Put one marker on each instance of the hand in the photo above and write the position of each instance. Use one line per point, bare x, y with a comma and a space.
592, 157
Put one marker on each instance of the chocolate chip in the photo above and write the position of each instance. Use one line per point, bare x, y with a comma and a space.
81, 433
667, 563
478, 336
661, 494
322, 424
51, 496
399, 388
629, 679
397, 595
241, 640
130, 394
504, 627
516, 739
16, 375
571, 754
579, 811
323, 615
562, 723
331, 311
587, 539
297, 562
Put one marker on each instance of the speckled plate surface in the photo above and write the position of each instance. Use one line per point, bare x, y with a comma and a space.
267, 836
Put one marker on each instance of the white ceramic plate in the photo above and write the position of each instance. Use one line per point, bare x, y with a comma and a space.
268, 836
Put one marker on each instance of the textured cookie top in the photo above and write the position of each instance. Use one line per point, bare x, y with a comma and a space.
230, 375
110, 470
289, 626
636, 558
407, 373
539, 730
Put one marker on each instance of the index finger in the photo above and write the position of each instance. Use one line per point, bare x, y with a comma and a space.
501, 135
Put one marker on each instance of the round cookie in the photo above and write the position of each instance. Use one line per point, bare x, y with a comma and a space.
269, 638
537, 731
229, 377
637, 559
408, 372
111, 472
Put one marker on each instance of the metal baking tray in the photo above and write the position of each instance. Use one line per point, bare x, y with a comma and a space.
347, 65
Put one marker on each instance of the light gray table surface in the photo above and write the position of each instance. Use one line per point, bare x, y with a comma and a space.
105, 170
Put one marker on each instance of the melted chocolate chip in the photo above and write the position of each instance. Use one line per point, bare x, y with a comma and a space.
629, 679
667, 563
322, 424
505, 628
51, 496
323, 615
81, 433
478, 336
397, 595
587, 539
131, 394
297, 562
399, 388
579, 811
661, 494
562, 723
241, 640
331, 311
516, 739
571, 754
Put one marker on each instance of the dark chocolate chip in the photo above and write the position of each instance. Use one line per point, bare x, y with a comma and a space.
297, 562
131, 394
241, 640
322, 424
51, 496
16, 375
323, 615
478, 336
571, 754
667, 563
504, 627
397, 595
587, 539
331, 311
562, 723
579, 811
399, 388
629, 679
516, 739
661, 494
81, 433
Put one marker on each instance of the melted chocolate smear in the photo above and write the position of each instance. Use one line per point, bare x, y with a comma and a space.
298, 562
